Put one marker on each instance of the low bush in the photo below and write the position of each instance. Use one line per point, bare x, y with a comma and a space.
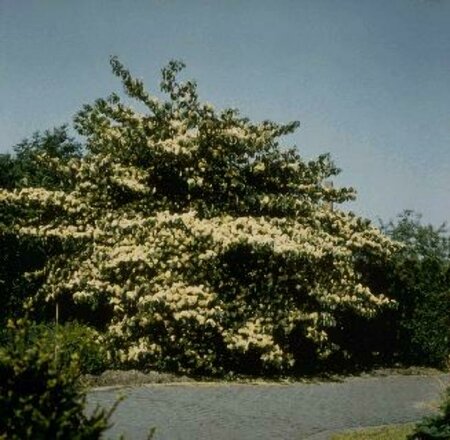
40, 397
435, 427
65, 342
77, 339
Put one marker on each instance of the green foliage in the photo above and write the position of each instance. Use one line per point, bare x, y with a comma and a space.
8, 172
420, 281
435, 427
30, 165
68, 341
39, 397
84, 342
195, 240
420, 241
391, 432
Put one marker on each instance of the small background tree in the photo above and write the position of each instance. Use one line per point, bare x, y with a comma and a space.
419, 280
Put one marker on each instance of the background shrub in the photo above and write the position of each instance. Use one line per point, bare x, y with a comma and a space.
77, 339
71, 340
419, 280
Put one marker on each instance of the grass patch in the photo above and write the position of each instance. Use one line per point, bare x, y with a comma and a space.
393, 432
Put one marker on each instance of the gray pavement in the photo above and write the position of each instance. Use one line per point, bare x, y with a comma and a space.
269, 411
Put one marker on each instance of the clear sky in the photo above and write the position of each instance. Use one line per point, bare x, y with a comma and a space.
369, 80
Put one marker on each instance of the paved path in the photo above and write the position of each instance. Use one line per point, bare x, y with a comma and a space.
270, 411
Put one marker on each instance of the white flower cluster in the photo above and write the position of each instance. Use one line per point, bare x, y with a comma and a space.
180, 224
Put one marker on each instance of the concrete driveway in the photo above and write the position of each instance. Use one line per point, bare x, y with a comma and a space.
269, 411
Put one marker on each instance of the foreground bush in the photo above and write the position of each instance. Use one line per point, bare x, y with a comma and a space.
40, 398
435, 427
195, 241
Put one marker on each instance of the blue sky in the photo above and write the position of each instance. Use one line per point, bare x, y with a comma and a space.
368, 80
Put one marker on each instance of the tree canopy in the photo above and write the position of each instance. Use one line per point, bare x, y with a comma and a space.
26, 167
420, 282
196, 240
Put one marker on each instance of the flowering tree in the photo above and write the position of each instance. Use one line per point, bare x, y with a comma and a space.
25, 168
199, 241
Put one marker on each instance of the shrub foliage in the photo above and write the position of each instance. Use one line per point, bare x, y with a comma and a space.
39, 397
435, 427
194, 239
66, 342
419, 279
